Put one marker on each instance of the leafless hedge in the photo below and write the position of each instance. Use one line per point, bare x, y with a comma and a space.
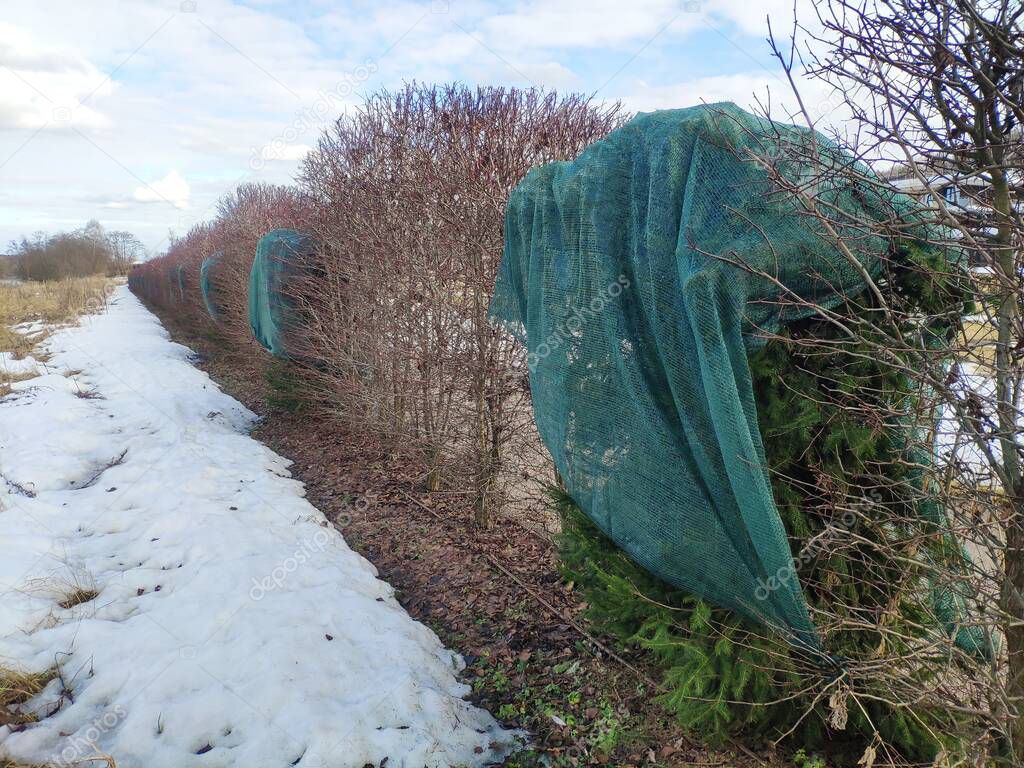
406, 201
409, 208
243, 216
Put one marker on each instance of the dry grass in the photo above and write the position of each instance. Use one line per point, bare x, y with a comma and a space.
76, 596
18, 687
67, 589
7, 379
53, 303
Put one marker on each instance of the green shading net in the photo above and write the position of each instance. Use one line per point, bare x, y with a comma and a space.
206, 286
270, 314
640, 276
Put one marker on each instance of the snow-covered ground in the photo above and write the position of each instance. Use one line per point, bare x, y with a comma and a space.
232, 625
18, 367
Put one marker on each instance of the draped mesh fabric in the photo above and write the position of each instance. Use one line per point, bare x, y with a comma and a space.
206, 269
639, 276
278, 254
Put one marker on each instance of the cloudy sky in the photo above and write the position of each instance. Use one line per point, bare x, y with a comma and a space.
141, 113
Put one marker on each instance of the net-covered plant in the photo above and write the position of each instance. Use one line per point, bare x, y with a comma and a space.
171, 282
840, 426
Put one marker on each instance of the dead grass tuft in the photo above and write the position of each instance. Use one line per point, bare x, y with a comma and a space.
7, 379
76, 596
16, 688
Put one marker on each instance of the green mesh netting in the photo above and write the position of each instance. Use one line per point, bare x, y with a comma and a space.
206, 286
270, 313
632, 276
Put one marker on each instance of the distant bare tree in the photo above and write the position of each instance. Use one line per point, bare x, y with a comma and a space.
126, 249
87, 251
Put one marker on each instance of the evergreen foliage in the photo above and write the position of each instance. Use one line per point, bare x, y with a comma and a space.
285, 392
829, 451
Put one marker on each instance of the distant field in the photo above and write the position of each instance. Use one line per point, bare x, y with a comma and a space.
37, 308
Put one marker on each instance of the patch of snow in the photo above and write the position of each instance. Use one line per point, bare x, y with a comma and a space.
232, 625
16, 367
30, 328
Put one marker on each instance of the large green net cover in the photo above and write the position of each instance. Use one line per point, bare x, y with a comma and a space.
279, 254
206, 268
640, 276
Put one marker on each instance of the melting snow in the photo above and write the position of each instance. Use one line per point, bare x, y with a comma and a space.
232, 625
18, 366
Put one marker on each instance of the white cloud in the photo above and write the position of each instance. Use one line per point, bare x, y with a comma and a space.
232, 92
172, 189
558, 25
42, 87
739, 88
751, 17
753, 91
275, 151
596, 24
